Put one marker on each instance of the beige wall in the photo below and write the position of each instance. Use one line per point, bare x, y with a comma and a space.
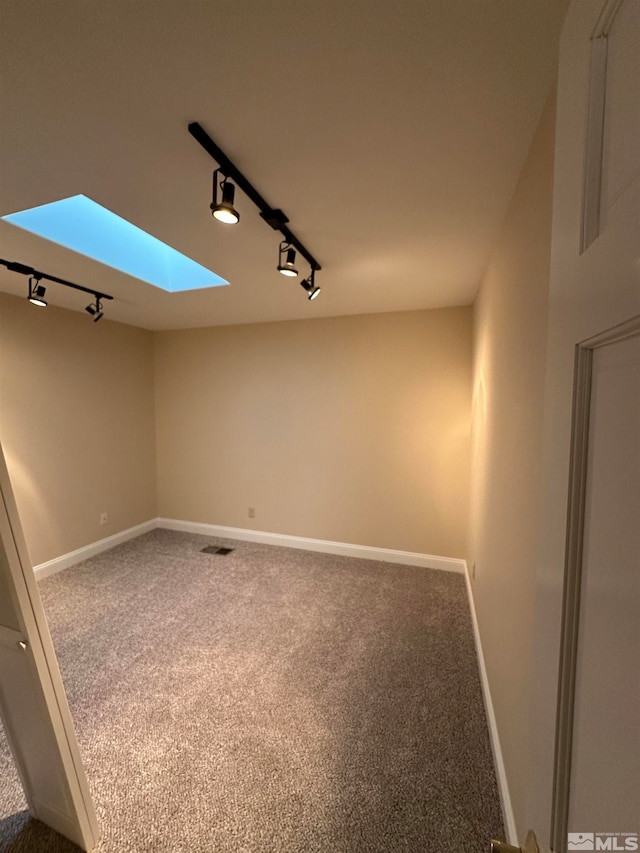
76, 424
352, 429
510, 321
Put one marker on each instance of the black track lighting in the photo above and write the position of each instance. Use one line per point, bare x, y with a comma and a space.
37, 292
224, 211
287, 260
273, 216
95, 310
309, 285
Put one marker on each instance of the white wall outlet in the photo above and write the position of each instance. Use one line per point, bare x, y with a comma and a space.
252, 512
104, 518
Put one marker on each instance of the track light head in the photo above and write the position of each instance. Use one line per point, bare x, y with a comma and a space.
273, 216
224, 211
309, 285
287, 260
37, 292
95, 310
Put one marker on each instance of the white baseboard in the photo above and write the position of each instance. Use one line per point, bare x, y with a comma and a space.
43, 570
365, 552
387, 555
503, 785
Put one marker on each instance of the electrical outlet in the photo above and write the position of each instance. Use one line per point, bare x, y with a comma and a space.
104, 518
252, 512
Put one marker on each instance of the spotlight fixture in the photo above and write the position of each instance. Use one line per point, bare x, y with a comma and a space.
95, 310
224, 211
273, 216
287, 260
309, 285
37, 292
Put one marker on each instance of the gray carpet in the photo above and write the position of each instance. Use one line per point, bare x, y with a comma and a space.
267, 700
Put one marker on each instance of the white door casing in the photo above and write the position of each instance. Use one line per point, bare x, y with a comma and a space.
33, 704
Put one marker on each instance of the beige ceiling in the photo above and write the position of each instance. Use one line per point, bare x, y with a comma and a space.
391, 132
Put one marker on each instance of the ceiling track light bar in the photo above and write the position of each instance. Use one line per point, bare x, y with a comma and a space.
273, 216
23, 269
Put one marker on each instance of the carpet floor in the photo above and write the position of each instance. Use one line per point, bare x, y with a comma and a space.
268, 700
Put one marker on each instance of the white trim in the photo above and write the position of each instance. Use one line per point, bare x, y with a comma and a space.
50, 567
501, 773
48, 762
365, 552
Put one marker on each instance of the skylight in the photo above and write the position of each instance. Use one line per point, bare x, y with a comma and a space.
82, 225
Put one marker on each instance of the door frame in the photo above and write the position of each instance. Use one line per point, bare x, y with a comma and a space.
583, 370
76, 819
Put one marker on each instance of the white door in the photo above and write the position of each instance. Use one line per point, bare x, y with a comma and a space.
604, 792
584, 589
33, 704
597, 786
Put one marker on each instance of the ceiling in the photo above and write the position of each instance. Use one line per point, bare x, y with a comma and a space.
391, 132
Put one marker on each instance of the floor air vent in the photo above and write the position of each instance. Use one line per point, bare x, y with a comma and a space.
214, 549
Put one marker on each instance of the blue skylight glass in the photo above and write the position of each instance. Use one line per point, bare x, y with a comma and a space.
78, 223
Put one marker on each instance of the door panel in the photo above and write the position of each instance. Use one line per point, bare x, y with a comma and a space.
605, 784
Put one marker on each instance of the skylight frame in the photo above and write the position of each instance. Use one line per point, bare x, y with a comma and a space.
80, 224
